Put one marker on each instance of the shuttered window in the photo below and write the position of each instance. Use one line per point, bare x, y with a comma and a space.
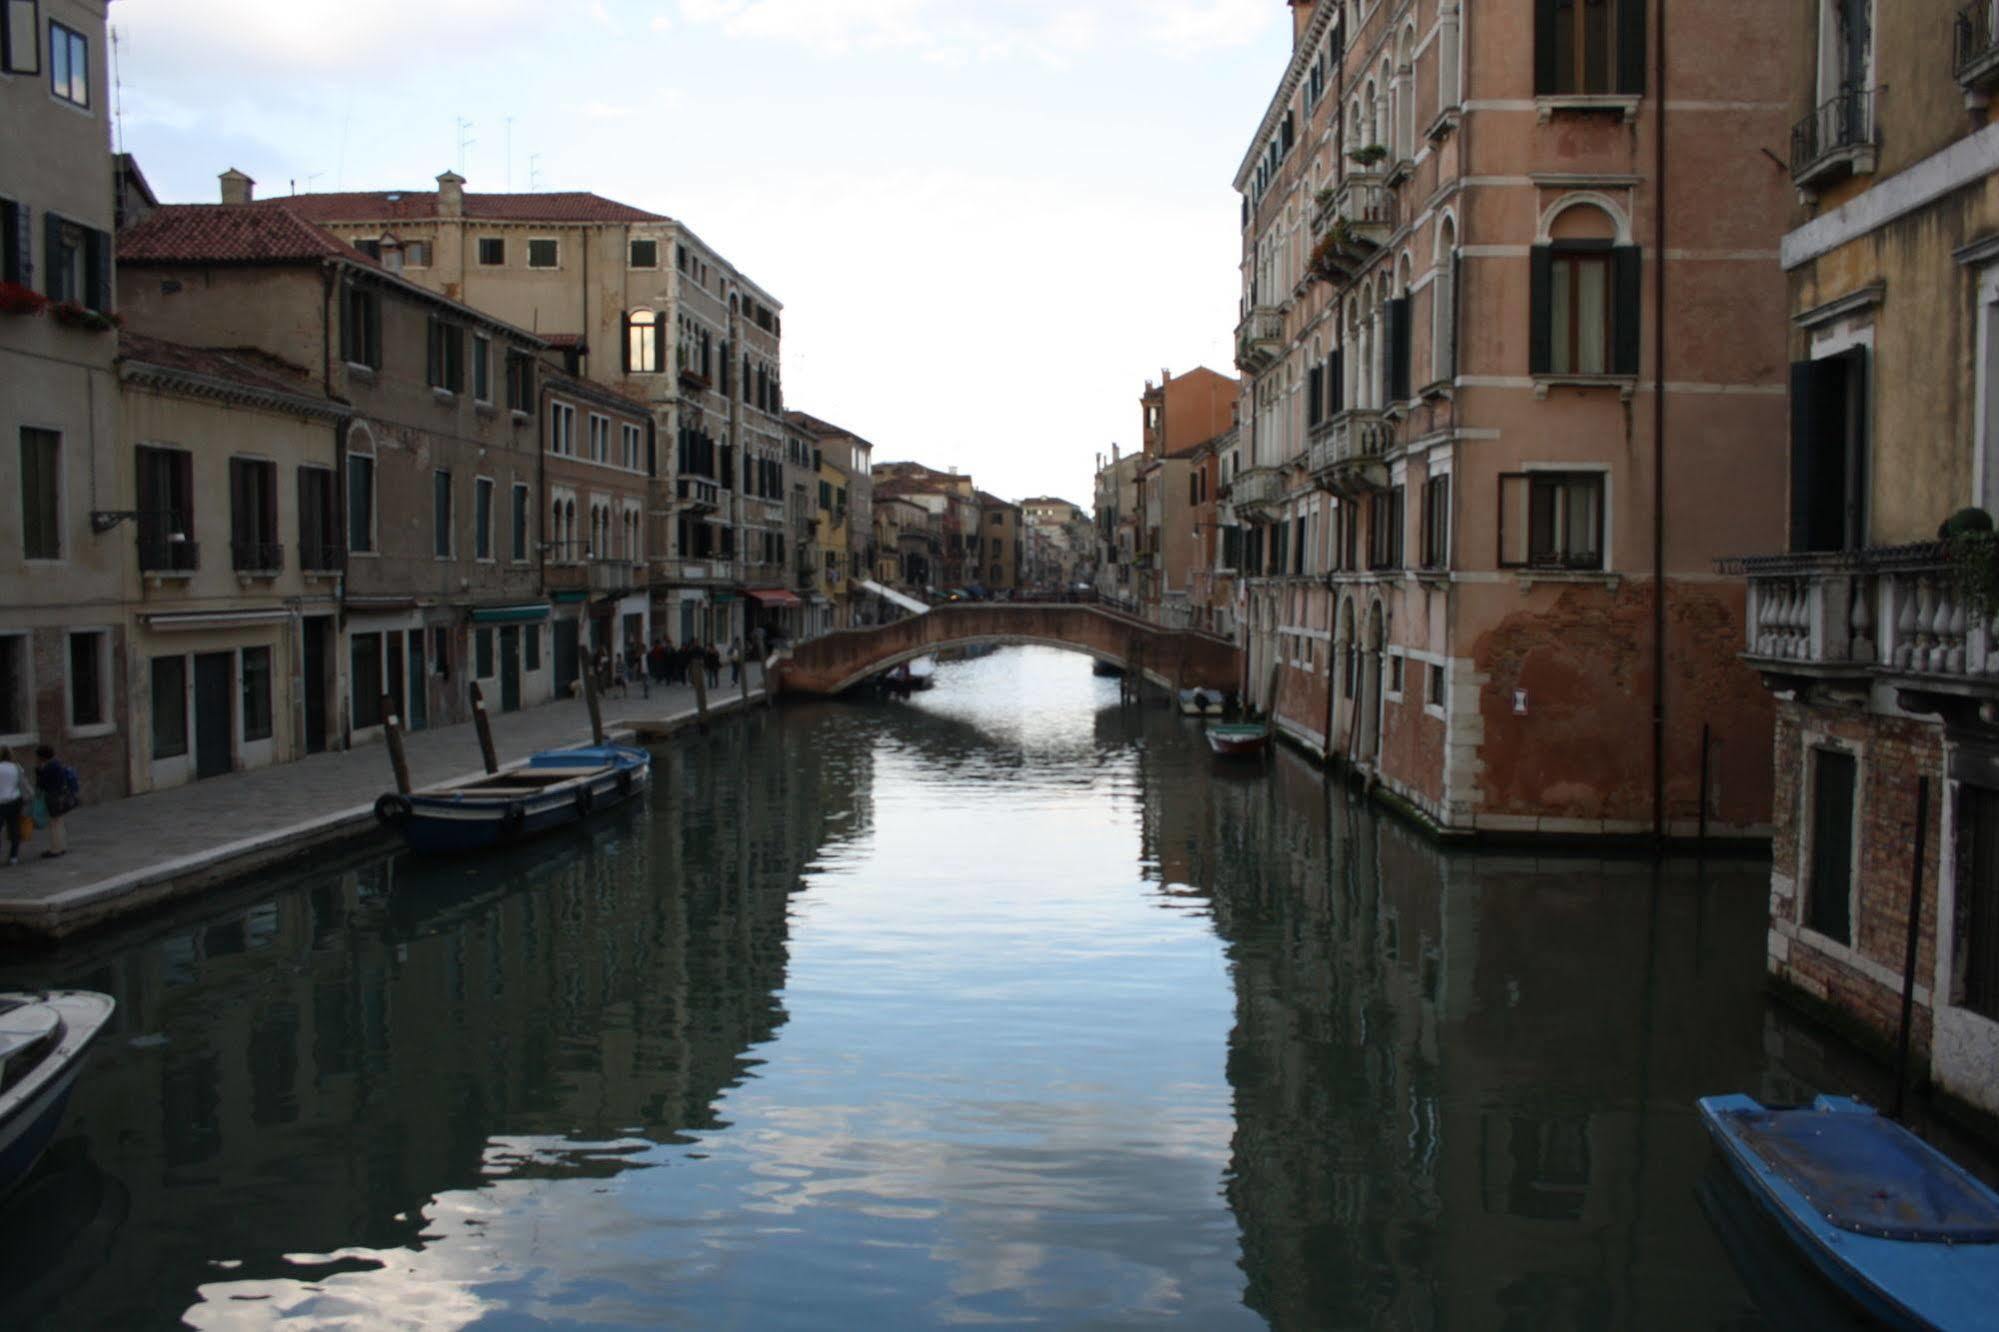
1828, 906
17, 252
253, 515
361, 327
1585, 306
1589, 47
1829, 447
1977, 968
41, 494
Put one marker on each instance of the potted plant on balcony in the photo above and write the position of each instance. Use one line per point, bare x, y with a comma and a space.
72, 314
1332, 257
1973, 550
19, 299
1372, 154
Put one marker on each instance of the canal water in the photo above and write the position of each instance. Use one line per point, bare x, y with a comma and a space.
1000, 1006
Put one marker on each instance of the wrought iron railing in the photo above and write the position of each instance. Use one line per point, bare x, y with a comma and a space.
256, 556
1977, 42
1843, 123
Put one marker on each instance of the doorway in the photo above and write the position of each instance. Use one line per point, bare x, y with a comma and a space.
565, 657
419, 705
214, 728
317, 630
510, 668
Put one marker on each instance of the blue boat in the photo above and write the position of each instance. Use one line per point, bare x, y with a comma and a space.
553, 788
1890, 1221
43, 1038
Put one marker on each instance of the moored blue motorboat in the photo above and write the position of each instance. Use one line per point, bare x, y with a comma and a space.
552, 788
43, 1038
1890, 1221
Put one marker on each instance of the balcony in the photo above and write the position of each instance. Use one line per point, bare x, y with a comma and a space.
1348, 458
1365, 203
1256, 492
168, 556
1838, 139
599, 577
698, 493
1977, 51
1894, 613
257, 559
1259, 339
321, 555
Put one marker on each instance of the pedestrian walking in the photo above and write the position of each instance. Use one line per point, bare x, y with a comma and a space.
712, 659
61, 792
735, 662
13, 801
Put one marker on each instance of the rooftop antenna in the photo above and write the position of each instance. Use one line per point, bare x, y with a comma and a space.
510, 154
310, 177
534, 172
117, 94
464, 142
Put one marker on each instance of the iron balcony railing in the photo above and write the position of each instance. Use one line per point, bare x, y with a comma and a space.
256, 556
1977, 44
1837, 135
164, 554
321, 556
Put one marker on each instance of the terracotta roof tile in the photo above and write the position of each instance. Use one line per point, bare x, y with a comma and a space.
229, 234
415, 205
236, 365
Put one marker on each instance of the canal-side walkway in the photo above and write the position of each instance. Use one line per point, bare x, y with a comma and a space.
132, 854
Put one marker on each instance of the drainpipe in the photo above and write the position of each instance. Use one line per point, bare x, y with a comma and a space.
1659, 198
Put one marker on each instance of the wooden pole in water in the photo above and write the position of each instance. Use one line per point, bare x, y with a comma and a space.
392, 731
590, 700
484, 725
700, 669
1909, 951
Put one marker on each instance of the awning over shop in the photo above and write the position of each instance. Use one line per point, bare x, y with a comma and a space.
509, 614
773, 597
167, 622
569, 596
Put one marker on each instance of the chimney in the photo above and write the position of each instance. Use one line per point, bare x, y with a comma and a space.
451, 195
1301, 19
237, 188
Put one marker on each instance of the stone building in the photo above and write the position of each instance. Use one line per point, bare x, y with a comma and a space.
442, 437
853, 456
1210, 587
908, 542
637, 301
1507, 315
230, 460
1177, 417
999, 558
1874, 636
1064, 537
1119, 523
62, 555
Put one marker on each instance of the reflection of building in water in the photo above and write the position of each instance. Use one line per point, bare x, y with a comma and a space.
1448, 1068
314, 1069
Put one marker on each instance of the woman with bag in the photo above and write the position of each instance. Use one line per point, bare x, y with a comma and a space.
13, 802
58, 793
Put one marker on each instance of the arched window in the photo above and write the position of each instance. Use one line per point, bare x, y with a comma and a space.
1585, 292
645, 342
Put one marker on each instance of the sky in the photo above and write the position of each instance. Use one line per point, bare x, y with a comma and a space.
989, 221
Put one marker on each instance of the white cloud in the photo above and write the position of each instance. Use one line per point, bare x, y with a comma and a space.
314, 36
833, 26
1189, 27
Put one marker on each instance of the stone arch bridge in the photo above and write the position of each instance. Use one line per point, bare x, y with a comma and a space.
1171, 658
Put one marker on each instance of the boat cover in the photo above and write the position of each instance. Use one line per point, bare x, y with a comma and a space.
1870, 1175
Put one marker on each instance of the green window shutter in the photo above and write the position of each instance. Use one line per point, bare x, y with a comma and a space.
1400, 331
1631, 47
21, 254
1540, 319
1627, 315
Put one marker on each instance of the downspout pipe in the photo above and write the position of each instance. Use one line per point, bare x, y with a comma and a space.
1659, 200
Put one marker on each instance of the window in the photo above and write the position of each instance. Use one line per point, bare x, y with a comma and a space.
78, 262
1437, 522
630, 437
166, 510
482, 375
482, 652
1589, 47
541, 254
645, 342
318, 520
89, 678
256, 693
360, 502
1585, 304
1828, 905
520, 382
361, 326
20, 38
600, 438
561, 429
253, 515
492, 251
445, 362
519, 544
1385, 530
1397, 664
16, 687
41, 494
372, 247
1829, 448
1434, 689
645, 254
169, 690
1976, 969
440, 513
17, 257
416, 254
482, 518
69, 64
1551, 520
365, 672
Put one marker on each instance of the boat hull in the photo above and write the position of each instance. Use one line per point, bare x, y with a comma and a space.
1929, 1284
1238, 741
456, 822
32, 1111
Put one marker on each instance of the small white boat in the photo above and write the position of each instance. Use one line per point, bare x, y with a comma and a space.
43, 1038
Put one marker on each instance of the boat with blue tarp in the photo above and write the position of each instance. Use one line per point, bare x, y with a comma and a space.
553, 788
1894, 1224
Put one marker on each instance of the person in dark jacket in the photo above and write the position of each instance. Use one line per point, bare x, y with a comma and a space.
57, 782
713, 661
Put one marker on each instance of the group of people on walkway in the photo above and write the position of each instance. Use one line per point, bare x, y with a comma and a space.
56, 791
667, 663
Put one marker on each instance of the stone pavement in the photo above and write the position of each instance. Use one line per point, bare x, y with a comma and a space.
125, 855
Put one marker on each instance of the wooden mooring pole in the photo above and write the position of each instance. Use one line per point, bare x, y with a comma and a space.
392, 732
700, 669
484, 726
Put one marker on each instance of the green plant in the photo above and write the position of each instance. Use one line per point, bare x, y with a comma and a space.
1369, 155
1324, 197
1974, 568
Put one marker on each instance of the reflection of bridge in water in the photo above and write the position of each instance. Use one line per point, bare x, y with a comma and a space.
1172, 658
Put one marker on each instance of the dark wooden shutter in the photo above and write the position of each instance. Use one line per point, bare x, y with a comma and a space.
22, 243
1336, 372
1457, 310
1819, 464
1827, 909
1400, 330
1541, 303
371, 314
1546, 74
347, 304
98, 268
1627, 308
1315, 390
659, 344
51, 257
431, 366
1631, 46
625, 341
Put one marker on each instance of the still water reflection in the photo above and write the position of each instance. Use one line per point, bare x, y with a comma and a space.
1004, 1006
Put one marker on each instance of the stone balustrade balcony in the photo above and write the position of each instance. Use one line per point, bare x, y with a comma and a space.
1255, 491
1348, 457
1259, 339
